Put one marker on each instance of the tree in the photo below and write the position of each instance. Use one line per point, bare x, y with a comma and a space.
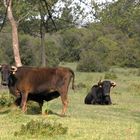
123, 14
39, 24
23, 11
37, 12
8, 5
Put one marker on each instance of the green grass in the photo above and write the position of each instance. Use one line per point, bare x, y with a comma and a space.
120, 121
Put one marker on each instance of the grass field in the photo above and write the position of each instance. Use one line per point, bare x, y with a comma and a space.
120, 121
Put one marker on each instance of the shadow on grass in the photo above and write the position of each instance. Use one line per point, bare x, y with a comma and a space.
8, 110
5, 111
30, 111
37, 111
50, 112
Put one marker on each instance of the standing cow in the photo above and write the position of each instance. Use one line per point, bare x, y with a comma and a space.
100, 93
38, 83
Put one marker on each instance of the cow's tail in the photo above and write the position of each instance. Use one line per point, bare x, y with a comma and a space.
73, 78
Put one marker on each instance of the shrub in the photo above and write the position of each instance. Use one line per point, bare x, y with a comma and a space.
5, 100
43, 128
91, 62
52, 54
27, 50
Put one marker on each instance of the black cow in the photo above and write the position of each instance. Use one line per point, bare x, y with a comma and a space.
100, 94
38, 84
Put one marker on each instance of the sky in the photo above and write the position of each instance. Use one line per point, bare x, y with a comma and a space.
99, 1
86, 6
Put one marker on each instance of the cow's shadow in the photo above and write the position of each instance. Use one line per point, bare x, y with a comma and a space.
5, 111
50, 112
32, 111
37, 111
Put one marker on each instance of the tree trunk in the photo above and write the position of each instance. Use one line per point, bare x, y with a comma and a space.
15, 40
43, 54
42, 36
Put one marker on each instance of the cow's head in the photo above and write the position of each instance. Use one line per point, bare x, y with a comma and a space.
106, 86
6, 70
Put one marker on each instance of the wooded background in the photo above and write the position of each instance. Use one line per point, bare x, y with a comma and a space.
46, 39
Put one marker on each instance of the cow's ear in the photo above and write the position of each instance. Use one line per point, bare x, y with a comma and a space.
113, 84
13, 69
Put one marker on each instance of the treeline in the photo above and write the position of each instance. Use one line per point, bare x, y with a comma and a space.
114, 39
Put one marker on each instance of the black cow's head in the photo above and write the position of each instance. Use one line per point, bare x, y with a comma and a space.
106, 86
6, 70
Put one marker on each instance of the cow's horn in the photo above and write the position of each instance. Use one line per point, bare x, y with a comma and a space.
0, 66
113, 84
13, 69
100, 82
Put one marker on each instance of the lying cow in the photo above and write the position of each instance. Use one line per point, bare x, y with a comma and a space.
38, 84
100, 94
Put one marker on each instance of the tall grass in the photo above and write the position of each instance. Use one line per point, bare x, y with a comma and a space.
119, 121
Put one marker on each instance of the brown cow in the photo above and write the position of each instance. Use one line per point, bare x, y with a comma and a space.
8, 78
33, 81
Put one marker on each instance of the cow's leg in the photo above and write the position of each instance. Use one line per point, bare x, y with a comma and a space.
17, 102
64, 100
23, 101
107, 100
88, 99
40, 106
93, 101
64, 97
110, 102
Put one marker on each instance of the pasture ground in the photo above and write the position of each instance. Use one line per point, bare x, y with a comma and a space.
120, 121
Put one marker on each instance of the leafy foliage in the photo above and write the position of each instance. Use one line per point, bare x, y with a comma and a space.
70, 45
5, 100
52, 53
91, 62
41, 127
114, 38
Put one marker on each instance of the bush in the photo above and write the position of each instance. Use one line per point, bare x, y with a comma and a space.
52, 54
5, 100
69, 50
31, 51
26, 49
92, 62
43, 128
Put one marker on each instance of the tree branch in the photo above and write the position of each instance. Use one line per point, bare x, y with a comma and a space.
49, 13
6, 4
